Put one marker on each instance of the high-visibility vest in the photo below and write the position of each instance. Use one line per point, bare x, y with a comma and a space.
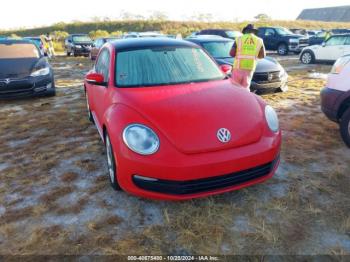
247, 51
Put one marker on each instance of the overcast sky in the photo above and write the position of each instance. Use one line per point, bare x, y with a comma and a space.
22, 13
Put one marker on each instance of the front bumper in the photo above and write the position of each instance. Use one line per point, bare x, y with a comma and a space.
27, 87
187, 176
262, 81
329, 104
82, 51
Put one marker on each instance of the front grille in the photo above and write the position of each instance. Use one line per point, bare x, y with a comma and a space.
268, 77
206, 184
16, 87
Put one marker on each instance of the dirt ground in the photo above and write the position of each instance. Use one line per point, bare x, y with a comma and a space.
55, 197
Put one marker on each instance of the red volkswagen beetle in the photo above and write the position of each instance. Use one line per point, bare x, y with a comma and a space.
174, 125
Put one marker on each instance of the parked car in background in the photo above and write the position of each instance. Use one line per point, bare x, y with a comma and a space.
335, 47
282, 40
39, 43
335, 97
221, 32
99, 42
299, 31
24, 70
340, 31
174, 125
143, 34
78, 45
312, 33
269, 74
317, 39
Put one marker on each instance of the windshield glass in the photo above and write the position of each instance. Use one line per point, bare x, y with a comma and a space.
218, 49
165, 66
9, 51
81, 39
283, 31
233, 34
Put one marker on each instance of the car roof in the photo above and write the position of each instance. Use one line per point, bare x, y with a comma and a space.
217, 29
142, 43
209, 39
345, 34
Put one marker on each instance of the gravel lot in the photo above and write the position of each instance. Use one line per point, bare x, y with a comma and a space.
56, 199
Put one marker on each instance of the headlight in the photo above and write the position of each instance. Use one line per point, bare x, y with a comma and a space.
77, 46
271, 119
282, 73
293, 40
340, 64
41, 72
141, 139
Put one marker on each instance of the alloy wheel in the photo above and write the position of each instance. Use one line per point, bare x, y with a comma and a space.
306, 58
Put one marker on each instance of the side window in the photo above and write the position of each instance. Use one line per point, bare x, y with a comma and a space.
336, 40
269, 32
102, 64
347, 41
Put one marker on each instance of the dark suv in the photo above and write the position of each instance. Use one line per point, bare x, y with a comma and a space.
78, 45
282, 40
221, 32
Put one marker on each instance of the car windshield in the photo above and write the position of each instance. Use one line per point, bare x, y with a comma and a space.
22, 50
165, 66
218, 49
82, 39
233, 34
283, 31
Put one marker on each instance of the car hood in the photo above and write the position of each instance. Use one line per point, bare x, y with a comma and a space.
189, 116
17, 68
268, 64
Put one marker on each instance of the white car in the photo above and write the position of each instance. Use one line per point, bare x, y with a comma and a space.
336, 46
335, 97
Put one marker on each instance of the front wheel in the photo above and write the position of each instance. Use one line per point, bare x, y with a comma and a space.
112, 170
282, 49
307, 58
345, 127
90, 117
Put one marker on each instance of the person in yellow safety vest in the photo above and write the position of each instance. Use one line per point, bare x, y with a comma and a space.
246, 50
327, 35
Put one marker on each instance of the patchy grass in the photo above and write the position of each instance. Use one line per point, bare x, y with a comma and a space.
55, 196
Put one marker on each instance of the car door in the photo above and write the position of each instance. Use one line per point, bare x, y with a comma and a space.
99, 92
332, 49
270, 39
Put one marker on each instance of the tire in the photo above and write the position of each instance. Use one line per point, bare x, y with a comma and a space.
90, 117
282, 49
68, 53
345, 127
307, 58
112, 173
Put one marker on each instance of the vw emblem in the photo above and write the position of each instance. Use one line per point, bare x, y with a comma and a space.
269, 77
224, 135
7, 81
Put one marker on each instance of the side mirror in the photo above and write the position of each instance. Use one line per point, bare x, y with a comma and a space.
323, 44
226, 69
95, 79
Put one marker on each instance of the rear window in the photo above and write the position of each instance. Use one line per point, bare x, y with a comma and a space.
8, 51
165, 66
219, 49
